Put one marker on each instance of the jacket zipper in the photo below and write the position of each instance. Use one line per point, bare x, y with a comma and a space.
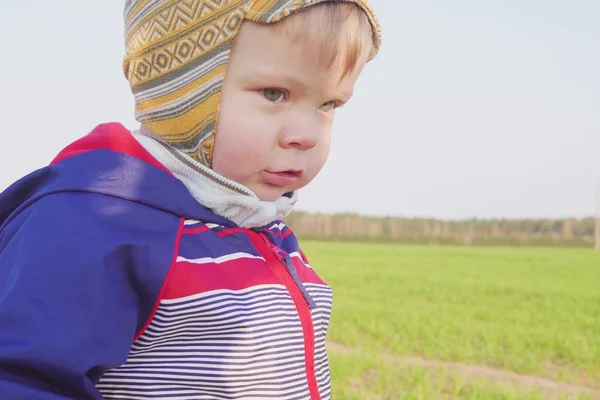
286, 260
303, 302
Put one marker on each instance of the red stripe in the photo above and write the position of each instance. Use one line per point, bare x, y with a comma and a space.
303, 311
166, 281
204, 228
304, 258
306, 274
190, 279
193, 231
111, 136
227, 232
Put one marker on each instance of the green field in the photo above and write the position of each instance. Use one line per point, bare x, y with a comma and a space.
417, 322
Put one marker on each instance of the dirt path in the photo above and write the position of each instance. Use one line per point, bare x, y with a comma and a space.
477, 372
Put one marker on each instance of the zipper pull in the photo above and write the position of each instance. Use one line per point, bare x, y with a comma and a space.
289, 266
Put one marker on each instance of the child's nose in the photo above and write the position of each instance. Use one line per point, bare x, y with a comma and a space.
302, 136
301, 142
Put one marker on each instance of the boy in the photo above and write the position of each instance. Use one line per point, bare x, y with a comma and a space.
154, 264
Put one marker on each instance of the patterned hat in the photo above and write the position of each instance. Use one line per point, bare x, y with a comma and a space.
175, 58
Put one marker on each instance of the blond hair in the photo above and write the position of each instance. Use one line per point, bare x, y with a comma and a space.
329, 29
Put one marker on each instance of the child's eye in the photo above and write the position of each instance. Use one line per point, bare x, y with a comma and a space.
273, 94
328, 106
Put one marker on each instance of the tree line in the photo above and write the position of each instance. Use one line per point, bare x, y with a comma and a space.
570, 232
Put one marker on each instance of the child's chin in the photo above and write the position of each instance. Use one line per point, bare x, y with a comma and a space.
270, 195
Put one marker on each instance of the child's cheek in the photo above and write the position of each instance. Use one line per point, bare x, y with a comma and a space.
319, 157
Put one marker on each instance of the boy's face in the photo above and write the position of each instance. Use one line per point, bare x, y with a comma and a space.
276, 112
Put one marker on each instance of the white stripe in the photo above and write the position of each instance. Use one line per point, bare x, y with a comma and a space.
232, 317
189, 222
318, 288
215, 394
279, 226
224, 373
248, 356
174, 304
184, 79
279, 10
243, 347
199, 316
254, 394
271, 297
150, 384
219, 260
195, 316
191, 395
230, 328
298, 255
237, 358
159, 357
182, 100
231, 383
278, 335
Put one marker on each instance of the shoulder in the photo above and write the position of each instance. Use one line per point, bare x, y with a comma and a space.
88, 244
77, 231
87, 215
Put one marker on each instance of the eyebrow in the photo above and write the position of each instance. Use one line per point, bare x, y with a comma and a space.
287, 78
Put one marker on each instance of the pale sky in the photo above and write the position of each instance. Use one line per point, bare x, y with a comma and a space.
472, 109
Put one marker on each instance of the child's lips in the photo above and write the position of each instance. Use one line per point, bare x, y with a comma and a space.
282, 178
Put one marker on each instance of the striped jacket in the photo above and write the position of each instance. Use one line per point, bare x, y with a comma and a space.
116, 284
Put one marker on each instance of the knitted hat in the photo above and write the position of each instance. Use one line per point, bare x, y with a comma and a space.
175, 58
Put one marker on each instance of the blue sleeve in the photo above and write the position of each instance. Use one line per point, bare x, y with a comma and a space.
79, 276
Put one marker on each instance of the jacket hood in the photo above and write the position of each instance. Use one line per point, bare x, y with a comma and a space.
107, 161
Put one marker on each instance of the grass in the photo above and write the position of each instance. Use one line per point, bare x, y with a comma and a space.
367, 377
532, 311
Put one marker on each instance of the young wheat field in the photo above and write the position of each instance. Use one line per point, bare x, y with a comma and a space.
418, 322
